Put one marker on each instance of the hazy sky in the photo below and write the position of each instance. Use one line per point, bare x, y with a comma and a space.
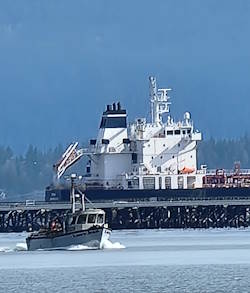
61, 62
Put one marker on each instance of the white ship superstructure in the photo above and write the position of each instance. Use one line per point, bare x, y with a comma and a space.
156, 154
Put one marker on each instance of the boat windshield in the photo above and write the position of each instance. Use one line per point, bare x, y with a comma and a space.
82, 219
100, 219
73, 220
91, 218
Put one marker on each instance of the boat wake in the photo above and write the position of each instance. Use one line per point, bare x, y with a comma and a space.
79, 247
107, 244
5, 249
19, 247
22, 246
110, 245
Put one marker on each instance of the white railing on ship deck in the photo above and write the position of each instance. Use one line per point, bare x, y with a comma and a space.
227, 171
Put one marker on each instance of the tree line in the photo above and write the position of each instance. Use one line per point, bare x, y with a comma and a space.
20, 174
29, 172
223, 153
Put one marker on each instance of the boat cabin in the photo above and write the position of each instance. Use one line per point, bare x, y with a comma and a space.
87, 219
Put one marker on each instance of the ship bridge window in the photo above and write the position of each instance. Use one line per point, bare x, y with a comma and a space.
82, 219
91, 218
105, 141
170, 132
100, 219
177, 132
189, 131
113, 122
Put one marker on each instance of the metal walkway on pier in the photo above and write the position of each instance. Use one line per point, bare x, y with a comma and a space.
48, 206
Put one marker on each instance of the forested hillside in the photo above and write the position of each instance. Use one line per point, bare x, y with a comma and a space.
33, 170
224, 153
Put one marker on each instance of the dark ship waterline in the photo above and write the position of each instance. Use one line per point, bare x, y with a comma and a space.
143, 160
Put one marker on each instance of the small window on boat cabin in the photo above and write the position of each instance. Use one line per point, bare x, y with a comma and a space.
82, 219
177, 132
100, 219
91, 218
189, 131
170, 132
183, 131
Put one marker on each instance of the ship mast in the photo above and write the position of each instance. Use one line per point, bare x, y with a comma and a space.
76, 197
159, 101
72, 192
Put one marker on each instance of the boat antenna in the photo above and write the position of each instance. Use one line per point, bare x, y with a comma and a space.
83, 198
72, 192
73, 196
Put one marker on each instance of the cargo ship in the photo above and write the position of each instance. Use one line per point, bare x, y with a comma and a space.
146, 159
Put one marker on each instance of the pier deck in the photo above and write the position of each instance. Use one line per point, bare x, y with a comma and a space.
42, 205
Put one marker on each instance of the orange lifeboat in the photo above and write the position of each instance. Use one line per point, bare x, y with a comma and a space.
186, 170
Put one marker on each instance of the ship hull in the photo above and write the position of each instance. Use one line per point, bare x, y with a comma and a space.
63, 194
92, 238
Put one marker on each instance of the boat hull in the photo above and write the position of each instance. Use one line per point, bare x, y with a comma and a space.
92, 238
63, 194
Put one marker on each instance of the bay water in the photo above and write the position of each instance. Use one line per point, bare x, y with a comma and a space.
216, 260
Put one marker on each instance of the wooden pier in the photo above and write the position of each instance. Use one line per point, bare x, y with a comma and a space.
153, 213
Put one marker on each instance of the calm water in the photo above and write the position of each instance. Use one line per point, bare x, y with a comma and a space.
143, 261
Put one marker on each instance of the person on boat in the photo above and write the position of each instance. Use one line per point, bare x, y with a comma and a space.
53, 226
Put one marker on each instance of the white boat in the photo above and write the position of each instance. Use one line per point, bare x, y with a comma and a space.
78, 227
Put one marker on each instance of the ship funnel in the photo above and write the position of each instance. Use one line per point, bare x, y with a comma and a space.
118, 106
109, 107
114, 107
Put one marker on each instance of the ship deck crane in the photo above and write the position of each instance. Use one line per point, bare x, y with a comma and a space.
69, 157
